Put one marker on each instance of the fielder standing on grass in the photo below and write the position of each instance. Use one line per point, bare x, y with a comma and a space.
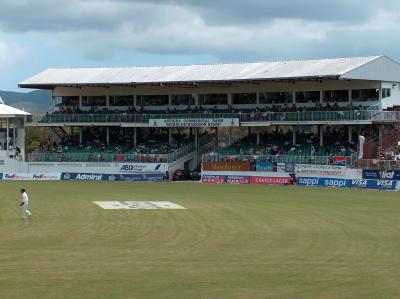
24, 205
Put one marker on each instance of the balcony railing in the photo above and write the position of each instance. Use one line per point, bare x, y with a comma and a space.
280, 117
109, 157
321, 160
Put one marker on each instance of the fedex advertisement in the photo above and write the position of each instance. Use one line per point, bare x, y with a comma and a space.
31, 176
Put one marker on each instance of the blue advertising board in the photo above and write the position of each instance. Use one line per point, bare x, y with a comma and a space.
348, 183
1, 176
381, 174
112, 177
265, 166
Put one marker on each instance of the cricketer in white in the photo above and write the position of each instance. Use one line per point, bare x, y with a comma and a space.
24, 205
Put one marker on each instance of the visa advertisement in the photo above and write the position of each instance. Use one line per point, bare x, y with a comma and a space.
348, 183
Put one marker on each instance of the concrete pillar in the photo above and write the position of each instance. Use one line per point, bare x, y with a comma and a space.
53, 135
80, 102
230, 98
169, 136
81, 135
169, 100
380, 135
258, 138
8, 133
258, 98
321, 96
294, 128
107, 101
196, 99
216, 136
350, 130
294, 97
108, 135
230, 135
321, 135
134, 137
14, 143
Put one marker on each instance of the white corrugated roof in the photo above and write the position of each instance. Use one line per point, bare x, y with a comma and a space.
199, 73
8, 111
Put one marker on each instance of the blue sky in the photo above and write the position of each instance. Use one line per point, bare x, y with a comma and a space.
38, 34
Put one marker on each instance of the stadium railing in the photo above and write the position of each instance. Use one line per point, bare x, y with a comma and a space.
321, 160
112, 157
371, 114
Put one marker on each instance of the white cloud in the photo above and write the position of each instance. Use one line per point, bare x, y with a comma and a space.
10, 54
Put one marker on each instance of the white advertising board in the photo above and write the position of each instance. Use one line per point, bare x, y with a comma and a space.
194, 122
332, 170
31, 176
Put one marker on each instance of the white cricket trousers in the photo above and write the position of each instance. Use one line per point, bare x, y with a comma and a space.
25, 212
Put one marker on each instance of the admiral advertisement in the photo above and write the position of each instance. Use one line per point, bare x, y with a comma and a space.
348, 183
381, 174
31, 176
194, 122
334, 170
112, 177
143, 167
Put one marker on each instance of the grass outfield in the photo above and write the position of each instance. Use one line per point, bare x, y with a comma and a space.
231, 242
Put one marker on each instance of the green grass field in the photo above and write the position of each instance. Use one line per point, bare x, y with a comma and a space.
231, 242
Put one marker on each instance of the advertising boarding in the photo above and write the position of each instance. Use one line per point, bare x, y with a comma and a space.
194, 122
112, 177
315, 169
31, 176
348, 183
381, 174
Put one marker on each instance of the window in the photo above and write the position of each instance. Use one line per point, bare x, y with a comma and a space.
307, 96
386, 93
182, 99
335, 96
121, 100
244, 98
365, 94
213, 99
153, 100
276, 97
94, 101
66, 101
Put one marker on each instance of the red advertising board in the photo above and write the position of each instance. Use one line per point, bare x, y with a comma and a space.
226, 166
268, 180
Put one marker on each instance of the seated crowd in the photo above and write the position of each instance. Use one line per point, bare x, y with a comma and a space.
153, 149
278, 148
206, 109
